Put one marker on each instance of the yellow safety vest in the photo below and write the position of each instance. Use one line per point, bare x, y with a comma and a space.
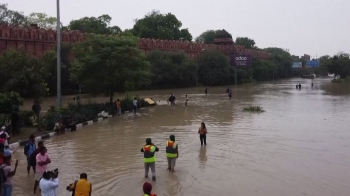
171, 149
148, 154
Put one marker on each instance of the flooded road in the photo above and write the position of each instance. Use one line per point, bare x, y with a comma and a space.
299, 146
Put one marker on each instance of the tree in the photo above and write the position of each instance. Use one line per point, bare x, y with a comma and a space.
11, 17
99, 25
110, 64
214, 68
206, 37
246, 42
172, 69
339, 64
42, 20
161, 26
23, 73
9, 101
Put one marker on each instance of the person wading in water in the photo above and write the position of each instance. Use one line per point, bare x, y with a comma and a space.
172, 99
149, 158
147, 188
203, 134
172, 152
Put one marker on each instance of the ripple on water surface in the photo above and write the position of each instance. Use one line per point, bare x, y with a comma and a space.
299, 146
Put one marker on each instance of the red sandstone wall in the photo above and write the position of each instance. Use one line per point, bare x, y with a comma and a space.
37, 41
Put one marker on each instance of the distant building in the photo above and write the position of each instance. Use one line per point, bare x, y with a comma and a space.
306, 57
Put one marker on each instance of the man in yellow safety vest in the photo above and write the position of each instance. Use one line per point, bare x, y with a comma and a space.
172, 152
149, 158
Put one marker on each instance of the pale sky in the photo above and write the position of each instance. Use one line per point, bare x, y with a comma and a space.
302, 26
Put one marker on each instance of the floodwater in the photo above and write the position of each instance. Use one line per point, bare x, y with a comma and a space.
299, 146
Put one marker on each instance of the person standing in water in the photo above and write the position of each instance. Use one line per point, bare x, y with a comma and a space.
172, 99
230, 94
134, 102
186, 100
149, 158
147, 188
172, 153
206, 91
203, 134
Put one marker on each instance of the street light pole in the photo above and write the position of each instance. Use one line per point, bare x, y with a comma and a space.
58, 41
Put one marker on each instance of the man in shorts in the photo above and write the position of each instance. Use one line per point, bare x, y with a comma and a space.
42, 160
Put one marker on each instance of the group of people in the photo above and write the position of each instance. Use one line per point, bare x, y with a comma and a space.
171, 152
37, 160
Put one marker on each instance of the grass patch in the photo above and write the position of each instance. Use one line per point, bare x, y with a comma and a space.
257, 109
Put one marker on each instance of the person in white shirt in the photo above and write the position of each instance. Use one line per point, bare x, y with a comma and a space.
3, 131
49, 183
134, 102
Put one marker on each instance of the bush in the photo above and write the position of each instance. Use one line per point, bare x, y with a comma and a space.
253, 109
26, 118
10, 101
85, 112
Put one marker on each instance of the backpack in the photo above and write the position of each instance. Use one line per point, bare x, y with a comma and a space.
3, 177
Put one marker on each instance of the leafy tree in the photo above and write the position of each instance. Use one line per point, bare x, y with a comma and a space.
42, 20
172, 69
23, 73
110, 64
246, 42
99, 25
206, 37
214, 68
11, 17
161, 26
9, 101
339, 65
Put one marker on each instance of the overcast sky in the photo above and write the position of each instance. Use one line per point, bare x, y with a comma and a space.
302, 26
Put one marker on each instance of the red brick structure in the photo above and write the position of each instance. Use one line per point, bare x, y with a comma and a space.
37, 41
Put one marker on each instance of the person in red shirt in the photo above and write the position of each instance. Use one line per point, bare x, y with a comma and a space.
147, 188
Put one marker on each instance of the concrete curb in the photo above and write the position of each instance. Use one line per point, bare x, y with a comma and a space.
79, 126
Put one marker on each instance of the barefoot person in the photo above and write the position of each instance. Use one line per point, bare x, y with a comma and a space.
42, 160
172, 152
203, 134
149, 158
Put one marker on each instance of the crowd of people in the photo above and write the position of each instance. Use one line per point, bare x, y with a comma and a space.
38, 160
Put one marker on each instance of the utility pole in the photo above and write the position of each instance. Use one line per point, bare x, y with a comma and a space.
58, 41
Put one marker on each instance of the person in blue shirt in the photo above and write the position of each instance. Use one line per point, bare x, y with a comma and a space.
29, 149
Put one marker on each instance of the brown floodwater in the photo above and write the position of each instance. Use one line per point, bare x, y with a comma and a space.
299, 146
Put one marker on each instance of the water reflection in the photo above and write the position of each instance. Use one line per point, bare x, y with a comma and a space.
202, 156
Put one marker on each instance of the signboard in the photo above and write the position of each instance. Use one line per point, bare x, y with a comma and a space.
312, 63
297, 65
241, 60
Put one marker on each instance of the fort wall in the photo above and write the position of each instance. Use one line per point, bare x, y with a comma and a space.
36, 41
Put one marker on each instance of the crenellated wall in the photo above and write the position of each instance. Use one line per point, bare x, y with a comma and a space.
37, 41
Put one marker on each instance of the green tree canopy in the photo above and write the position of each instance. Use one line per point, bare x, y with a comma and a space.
246, 42
338, 64
172, 69
206, 37
161, 26
110, 64
10, 101
42, 20
11, 17
99, 25
23, 73
214, 68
